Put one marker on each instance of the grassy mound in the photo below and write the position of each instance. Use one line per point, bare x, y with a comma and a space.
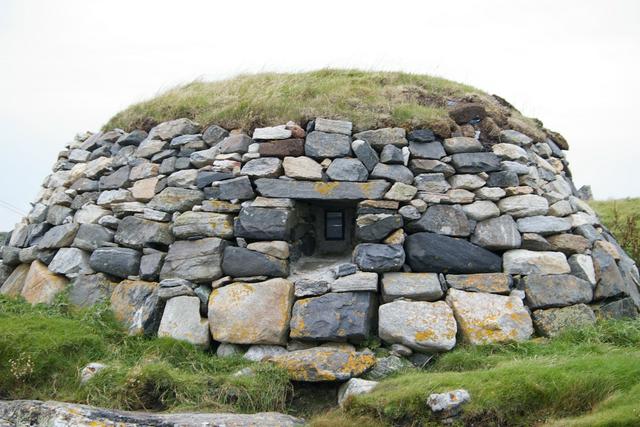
369, 99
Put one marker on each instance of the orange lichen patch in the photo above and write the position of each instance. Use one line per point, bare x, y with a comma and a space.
324, 364
325, 188
425, 335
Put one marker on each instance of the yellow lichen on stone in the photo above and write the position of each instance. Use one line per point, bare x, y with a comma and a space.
41, 286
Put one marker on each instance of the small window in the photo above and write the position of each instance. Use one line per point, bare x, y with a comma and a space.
334, 225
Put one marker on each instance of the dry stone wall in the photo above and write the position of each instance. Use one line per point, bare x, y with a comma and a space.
195, 233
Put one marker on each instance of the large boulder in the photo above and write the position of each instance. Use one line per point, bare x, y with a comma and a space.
414, 286
13, 284
554, 321
334, 317
243, 262
181, 320
378, 257
136, 304
264, 223
194, 260
489, 318
305, 190
198, 225
41, 285
90, 289
324, 364
251, 313
435, 253
419, 325
556, 290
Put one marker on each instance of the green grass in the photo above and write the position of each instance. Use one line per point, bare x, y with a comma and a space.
43, 349
368, 99
622, 217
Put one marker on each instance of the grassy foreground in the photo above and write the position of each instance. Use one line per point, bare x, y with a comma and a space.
585, 377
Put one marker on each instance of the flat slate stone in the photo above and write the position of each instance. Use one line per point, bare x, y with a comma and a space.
419, 325
333, 126
426, 150
475, 162
264, 223
197, 225
524, 205
462, 144
556, 290
304, 190
347, 170
393, 173
321, 145
375, 227
334, 317
359, 281
543, 225
414, 286
242, 262
494, 283
610, 282
283, 148
118, 262
435, 253
173, 199
136, 233
488, 318
236, 189
378, 138
523, 261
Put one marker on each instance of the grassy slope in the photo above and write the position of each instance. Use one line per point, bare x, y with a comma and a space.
622, 217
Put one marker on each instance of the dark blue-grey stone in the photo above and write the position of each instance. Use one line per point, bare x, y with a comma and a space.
242, 262
435, 253
373, 228
236, 189
133, 138
427, 150
555, 290
421, 135
264, 223
475, 162
503, 179
378, 258
118, 262
609, 280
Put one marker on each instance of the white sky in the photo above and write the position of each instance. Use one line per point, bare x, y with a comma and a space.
68, 66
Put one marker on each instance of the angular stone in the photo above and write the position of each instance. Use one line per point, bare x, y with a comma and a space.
171, 129
270, 133
197, 225
334, 317
543, 225
378, 138
503, 179
194, 260
522, 261
70, 262
524, 206
302, 168
278, 249
333, 126
553, 321
236, 189
481, 210
430, 252
259, 352
347, 170
41, 285
375, 227
414, 286
92, 236
618, 309
488, 318
90, 214
214, 134
497, 233
419, 166
610, 282
401, 192
466, 181
59, 237
284, 148
421, 326
582, 267
136, 305
354, 387
490, 193
475, 162
251, 313
242, 262
447, 406
378, 257
266, 167
509, 151
421, 135
514, 137
136, 233
150, 147
118, 179
442, 219
365, 153
327, 145
183, 178
426, 150
90, 289
118, 262
431, 183
171, 288
359, 281
556, 290
303, 190
535, 242
392, 155
310, 288
181, 321
264, 223
569, 243
462, 144
13, 284
393, 173
220, 206
496, 283
173, 199
518, 168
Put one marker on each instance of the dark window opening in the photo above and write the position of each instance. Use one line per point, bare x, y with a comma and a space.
334, 225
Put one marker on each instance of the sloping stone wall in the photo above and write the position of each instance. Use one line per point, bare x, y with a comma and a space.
478, 237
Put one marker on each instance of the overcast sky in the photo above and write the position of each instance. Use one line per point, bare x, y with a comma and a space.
68, 66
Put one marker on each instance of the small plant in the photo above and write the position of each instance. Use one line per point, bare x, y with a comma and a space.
21, 367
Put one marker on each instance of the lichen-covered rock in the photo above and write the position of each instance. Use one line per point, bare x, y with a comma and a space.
553, 321
181, 320
324, 364
194, 260
419, 325
41, 286
334, 317
302, 168
494, 283
251, 313
198, 225
173, 199
136, 304
414, 286
489, 318
435, 253
304, 190
556, 290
